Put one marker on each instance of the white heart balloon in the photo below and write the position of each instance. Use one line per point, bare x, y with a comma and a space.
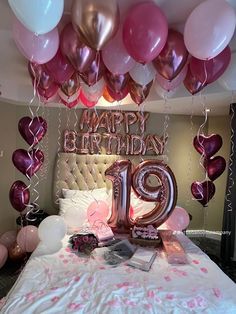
143, 73
38, 16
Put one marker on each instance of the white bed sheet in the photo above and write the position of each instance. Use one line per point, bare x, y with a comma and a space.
67, 283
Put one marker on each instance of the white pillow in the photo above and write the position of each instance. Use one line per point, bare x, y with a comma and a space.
97, 194
140, 207
74, 214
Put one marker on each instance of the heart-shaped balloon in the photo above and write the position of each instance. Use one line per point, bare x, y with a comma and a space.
203, 191
71, 86
192, 84
116, 82
120, 95
215, 167
138, 92
72, 46
207, 145
39, 73
28, 162
94, 72
19, 195
32, 130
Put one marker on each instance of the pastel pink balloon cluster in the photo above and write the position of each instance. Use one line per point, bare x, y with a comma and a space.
113, 49
208, 146
15, 245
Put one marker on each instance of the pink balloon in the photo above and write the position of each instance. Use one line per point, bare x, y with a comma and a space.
208, 71
97, 210
209, 29
171, 85
8, 238
3, 255
178, 219
27, 238
59, 68
36, 48
115, 56
86, 102
145, 31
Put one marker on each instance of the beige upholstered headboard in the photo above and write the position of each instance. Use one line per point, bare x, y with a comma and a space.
85, 172
81, 172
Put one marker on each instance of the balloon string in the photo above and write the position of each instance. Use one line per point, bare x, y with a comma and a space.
165, 128
230, 176
58, 155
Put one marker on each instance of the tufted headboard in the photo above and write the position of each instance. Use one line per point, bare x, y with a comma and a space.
81, 172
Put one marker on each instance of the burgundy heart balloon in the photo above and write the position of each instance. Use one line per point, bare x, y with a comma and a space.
215, 167
138, 92
94, 72
28, 163
19, 195
32, 130
120, 95
71, 86
207, 145
39, 73
173, 56
208, 71
192, 84
72, 46
203, 191
116, 82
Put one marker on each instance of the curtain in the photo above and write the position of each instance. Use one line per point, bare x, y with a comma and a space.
228, 244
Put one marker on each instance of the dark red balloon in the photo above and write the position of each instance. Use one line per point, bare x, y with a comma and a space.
192, 84
215, 167
39, 73
207, 145
28, 163
19, 195
116, 82
208, 71
203, 191
49, 92
173, 56
138, 92
94, 72
120, 95
59, 68
32, 130
71, 86
72, 46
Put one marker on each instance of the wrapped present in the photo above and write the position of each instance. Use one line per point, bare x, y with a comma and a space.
174, 251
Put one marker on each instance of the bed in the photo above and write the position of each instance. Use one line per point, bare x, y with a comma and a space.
66, 282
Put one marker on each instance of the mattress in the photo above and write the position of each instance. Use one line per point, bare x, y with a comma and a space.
66, 282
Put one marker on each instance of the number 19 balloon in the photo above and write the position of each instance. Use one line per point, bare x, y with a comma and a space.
164, 195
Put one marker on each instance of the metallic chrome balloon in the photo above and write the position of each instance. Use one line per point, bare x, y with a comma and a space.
173, 56
94, 72
138, 92
120, 175
19, 195
96, 21
32, 130
116, 82
203, 191
207, 145
192, 84
73, 47
164, 194
71, 86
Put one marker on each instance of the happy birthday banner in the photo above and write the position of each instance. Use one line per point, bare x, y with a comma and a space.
99, 130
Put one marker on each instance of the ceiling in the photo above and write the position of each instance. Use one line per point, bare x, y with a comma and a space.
15, 84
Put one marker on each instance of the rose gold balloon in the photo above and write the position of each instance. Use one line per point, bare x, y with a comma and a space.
71, 86
16, 253
107, 96
97, 21
94, 72
192, 84
119, 174
138, 92
164, 194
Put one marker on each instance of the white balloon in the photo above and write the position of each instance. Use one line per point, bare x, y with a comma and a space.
209, 29
228, 79
143, 73
52, 230
38, 16
93, 93
162, 92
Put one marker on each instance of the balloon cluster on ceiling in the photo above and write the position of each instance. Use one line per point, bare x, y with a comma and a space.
101, 53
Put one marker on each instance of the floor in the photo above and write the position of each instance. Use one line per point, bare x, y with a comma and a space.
10, 272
